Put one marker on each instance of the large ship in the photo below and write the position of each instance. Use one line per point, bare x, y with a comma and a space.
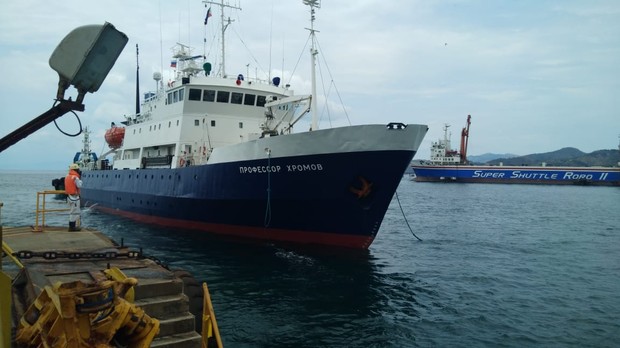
212, 153
449, 165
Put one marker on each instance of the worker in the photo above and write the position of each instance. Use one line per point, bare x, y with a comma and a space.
72, 188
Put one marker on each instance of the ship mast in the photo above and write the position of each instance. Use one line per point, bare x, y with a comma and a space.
137, 83
224, 26
86, 143
313, 53
84, 159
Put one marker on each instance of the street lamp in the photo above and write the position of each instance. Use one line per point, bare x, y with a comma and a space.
85, 56
83, 59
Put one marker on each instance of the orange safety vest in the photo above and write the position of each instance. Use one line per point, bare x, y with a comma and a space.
70, 186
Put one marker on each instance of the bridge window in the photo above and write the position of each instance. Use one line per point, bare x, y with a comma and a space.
260, 101
223, 96
212, 123
196, 122
249, 99
195, 94
208, 95
236, 98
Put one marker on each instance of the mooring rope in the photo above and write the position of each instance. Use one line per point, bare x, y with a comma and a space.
404, 217
268, 209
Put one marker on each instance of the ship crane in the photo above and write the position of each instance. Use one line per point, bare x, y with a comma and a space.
465, 140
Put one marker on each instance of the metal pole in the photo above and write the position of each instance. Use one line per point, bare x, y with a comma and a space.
44, 119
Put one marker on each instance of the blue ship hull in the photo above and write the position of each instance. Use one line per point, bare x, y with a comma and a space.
601, 176
335, 199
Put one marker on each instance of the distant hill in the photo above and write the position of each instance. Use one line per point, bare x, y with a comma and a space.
568, 156
484, 158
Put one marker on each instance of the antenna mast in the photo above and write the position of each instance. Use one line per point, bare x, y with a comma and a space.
137, 83
313, 53
223, 26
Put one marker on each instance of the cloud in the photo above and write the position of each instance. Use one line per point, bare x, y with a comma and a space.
535, 76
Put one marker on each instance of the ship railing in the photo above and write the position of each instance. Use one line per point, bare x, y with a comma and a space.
42, 208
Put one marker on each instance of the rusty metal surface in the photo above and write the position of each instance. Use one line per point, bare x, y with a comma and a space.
44, 272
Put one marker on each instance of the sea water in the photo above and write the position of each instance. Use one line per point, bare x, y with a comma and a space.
497, 266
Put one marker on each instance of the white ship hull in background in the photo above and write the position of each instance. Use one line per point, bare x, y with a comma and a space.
215, 154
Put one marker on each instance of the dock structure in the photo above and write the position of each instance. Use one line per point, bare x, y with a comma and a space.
56, 255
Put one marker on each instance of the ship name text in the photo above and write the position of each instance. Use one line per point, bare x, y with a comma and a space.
517, 174
276, 169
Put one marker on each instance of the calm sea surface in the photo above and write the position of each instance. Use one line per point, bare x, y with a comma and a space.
499, 266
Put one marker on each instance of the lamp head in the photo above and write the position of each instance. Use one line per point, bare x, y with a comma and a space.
85, 57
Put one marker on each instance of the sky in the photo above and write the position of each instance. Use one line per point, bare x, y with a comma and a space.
535, 75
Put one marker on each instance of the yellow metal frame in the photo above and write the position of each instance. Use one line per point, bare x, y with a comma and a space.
77, 314
5, 298
9, 252
5, 310
41, 211
114, 273
209, 324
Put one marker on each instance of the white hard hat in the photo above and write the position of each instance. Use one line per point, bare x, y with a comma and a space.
74, 166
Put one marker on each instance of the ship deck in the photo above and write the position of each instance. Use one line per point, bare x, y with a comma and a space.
88, 242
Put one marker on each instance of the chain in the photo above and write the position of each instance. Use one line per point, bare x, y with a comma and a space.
52, 255
108, 255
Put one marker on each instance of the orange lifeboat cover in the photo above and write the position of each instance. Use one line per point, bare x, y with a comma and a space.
114, 137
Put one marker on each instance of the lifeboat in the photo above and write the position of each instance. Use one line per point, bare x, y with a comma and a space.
114, 137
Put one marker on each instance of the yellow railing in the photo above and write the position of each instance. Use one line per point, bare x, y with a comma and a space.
42, 210
9, 252
210, 331
5, 299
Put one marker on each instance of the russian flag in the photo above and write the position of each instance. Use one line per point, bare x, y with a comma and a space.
173, 64
208, 15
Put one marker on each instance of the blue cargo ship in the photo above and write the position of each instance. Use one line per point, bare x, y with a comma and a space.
449, 165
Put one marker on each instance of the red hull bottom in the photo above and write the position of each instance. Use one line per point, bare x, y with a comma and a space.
262, 233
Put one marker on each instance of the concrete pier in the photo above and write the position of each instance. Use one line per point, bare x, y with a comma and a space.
57, 255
